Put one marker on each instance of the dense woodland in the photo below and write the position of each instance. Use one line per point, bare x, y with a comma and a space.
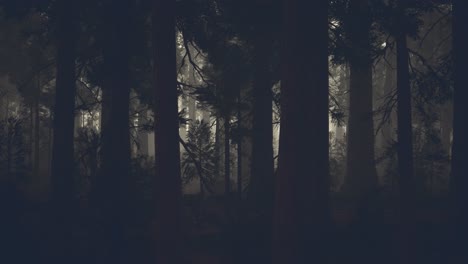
233, 131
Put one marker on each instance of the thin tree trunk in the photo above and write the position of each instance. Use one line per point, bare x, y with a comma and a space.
302, 204
49, 149
239, 144
405, 146
31, 137
200, 155
37, 129
218, 147
227, 158
167, 182
8, 143
62, 150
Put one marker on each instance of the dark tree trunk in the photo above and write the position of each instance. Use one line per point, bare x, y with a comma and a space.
261, 189
240, 137
114, 181
262, 182
37, 123
9, 179
302, 188
361, 176
31, 136
405, 145
201, 176
63, 123
227, 158
167, 182
459, 177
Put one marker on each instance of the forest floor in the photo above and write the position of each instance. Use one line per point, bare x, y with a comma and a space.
210, 240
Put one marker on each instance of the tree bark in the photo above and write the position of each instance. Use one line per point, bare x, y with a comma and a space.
361, 176
167, 182
262, 181
302, 204
227, 158
37, 123
63, 123
240, 137
114, 184
405, 144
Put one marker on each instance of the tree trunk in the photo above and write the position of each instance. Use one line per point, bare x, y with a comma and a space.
239, 144
218, 148
200, 155
459, 177
262, 182
167, 182
31, 136
361, 176
62, 151
114, 184
405, 145
37, 135
302, 204
227, 158
9, 178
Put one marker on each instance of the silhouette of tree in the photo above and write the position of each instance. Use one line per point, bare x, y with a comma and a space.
167, 180
361, 175
302, 187
63, 150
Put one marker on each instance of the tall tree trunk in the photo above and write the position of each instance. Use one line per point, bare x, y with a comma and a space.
9, 178
239, 144
227, 158
50, 143
114, 183
62, 151
361, 176
167, 183
261, 189
31, 136
405, 144
262, 182
37, 122
218, 148
459, 177
201, 176
302, 188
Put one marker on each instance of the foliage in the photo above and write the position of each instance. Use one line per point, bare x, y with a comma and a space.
431, 160
12, 149
199, 159
87, 142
